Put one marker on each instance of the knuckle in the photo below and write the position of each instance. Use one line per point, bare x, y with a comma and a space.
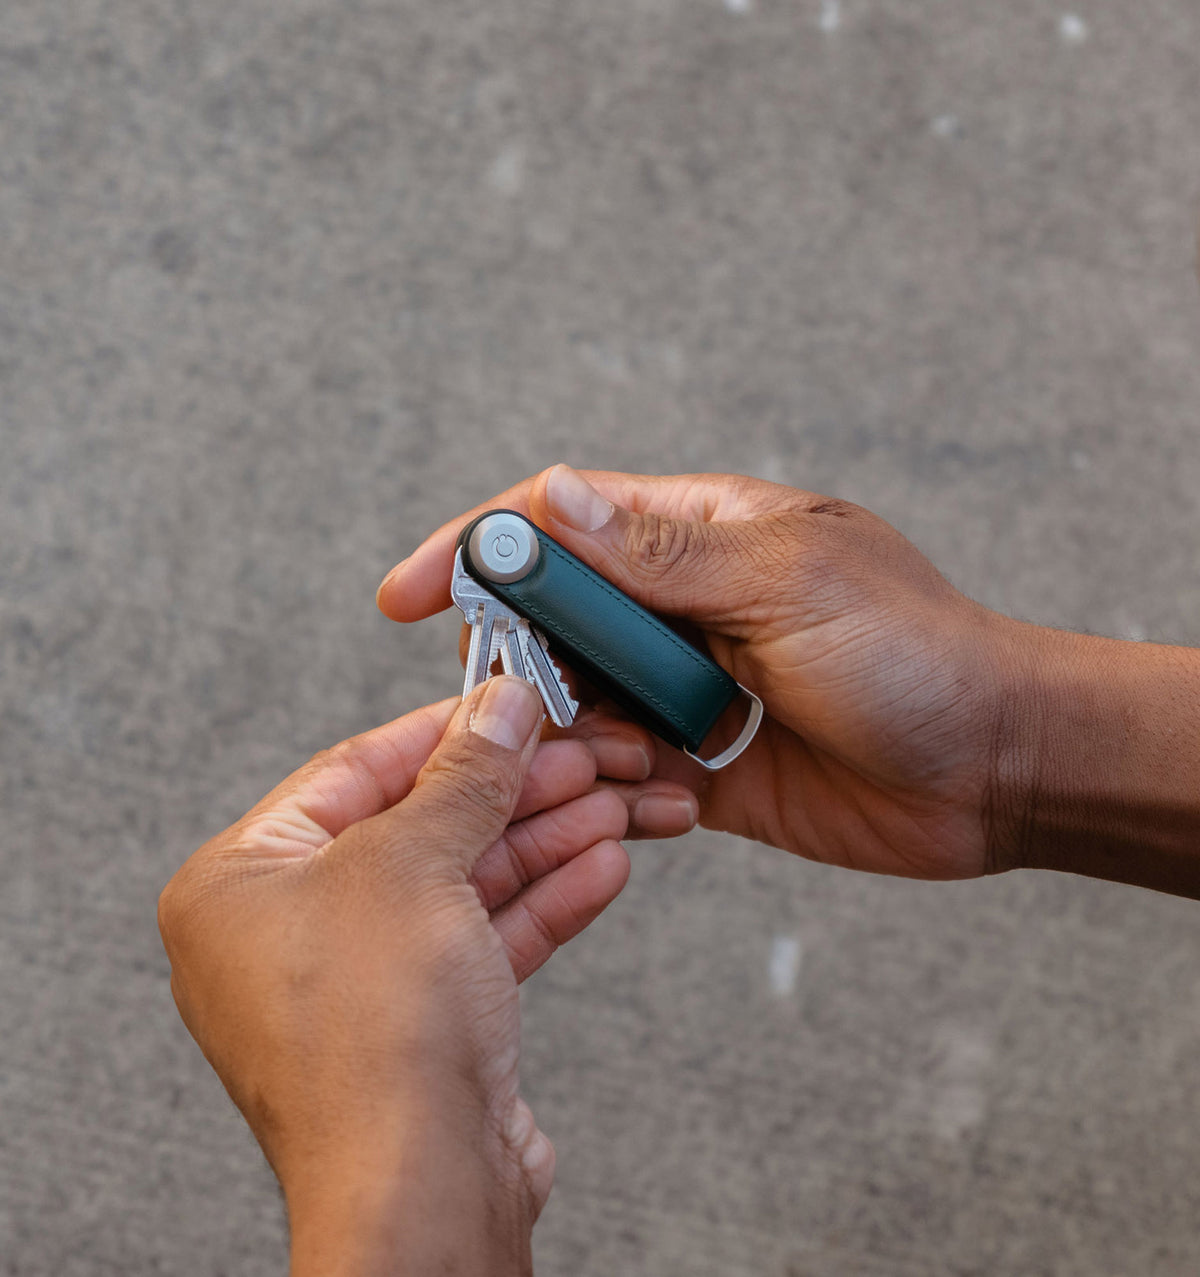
343, 754
469, 782
778, 544
834, 507
543, 930
321, 759
610, 814
527, 860
346, 758
656, 543
339, 756
744, 492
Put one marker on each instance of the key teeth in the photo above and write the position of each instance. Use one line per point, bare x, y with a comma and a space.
560, 680
561, 714
559, 677
548, 679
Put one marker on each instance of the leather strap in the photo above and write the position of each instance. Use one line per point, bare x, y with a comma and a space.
627, 652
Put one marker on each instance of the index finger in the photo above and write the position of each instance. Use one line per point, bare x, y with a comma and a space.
419, 586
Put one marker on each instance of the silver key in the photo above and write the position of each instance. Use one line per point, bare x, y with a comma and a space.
488, 619
498, 631
560, 704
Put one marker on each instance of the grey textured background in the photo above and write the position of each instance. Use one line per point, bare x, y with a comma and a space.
284, 285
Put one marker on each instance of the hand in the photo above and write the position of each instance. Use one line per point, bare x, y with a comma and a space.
885, 688
347, 956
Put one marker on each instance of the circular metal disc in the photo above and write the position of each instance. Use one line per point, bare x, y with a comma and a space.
503, 548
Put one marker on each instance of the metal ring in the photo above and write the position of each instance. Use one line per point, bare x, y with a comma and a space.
745, 736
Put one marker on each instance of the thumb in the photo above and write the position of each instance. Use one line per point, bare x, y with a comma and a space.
465, 794
706, 571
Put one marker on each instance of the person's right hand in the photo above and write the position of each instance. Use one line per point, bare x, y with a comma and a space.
886, 741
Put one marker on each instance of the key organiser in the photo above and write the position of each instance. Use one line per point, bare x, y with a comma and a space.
656, 676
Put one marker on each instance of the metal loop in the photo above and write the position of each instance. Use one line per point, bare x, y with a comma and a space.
745, 736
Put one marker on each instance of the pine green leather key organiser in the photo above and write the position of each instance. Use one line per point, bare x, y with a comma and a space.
526, 596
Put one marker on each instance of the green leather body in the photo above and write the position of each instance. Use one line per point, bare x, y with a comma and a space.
626, 652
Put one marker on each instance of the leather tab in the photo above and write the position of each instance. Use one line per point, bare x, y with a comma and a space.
628, 653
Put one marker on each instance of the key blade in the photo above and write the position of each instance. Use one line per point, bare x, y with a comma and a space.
493, 632
498, 631
479, 659
560, 704
479, 611
511, 655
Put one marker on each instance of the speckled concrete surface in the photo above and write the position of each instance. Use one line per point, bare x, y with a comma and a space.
284, 285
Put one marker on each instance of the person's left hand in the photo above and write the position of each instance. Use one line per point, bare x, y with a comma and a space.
347, 956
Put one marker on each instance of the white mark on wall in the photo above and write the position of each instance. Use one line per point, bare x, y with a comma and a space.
1080, 460
1072, 28
507, 173
739, 6
783, 965
831, 15
963, 1060
946, 1092
947, 126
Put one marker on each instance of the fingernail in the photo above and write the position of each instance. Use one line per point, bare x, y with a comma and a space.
509, 712
662, 814
573, 501
619, 757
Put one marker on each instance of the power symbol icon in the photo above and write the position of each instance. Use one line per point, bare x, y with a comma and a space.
502, 546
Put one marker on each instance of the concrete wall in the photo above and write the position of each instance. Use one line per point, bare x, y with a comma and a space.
284, 285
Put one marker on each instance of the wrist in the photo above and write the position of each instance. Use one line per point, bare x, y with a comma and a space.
410, 1197
1096, 765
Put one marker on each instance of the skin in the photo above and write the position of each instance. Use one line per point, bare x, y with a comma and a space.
909, 730
347, 955
874, 752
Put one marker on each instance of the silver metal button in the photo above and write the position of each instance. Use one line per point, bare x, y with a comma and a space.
503, 548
